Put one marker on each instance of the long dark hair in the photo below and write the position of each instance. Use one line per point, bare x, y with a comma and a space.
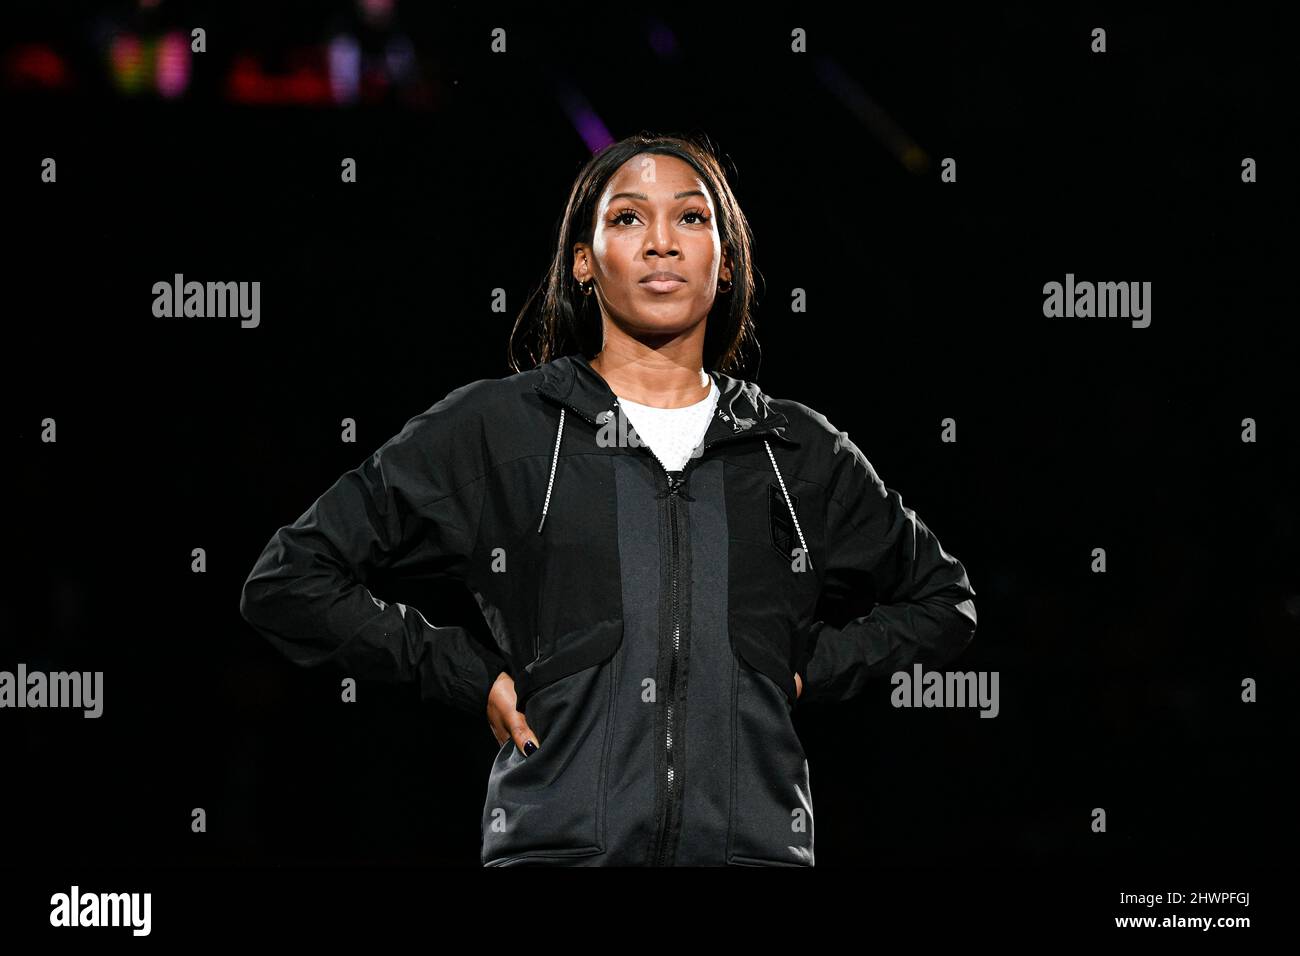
559, 320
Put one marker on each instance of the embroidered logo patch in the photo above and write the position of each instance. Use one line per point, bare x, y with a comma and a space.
782, 527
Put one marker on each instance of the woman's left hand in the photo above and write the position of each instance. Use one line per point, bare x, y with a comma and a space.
798, 685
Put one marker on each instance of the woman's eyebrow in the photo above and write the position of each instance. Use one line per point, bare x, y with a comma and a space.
688, 192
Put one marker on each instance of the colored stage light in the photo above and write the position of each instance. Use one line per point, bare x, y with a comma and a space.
173, 66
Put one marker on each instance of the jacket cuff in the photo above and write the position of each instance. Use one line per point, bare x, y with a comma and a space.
478, 686
805, 655
457, 667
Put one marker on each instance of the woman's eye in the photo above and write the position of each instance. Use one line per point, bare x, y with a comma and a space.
618, 219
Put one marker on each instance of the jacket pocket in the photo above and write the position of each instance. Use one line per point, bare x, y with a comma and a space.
552, 805
572, 605
771, 798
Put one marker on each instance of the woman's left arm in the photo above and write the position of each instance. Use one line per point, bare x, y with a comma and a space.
925, 609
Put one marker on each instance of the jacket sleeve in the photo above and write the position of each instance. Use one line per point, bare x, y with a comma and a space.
925, 608
412, 506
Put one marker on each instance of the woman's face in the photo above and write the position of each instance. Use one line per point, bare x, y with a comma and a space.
655, 215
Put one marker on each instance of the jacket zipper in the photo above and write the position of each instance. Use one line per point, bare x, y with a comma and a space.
670, 794
672, 797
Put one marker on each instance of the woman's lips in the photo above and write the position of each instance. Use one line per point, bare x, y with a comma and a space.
663, 285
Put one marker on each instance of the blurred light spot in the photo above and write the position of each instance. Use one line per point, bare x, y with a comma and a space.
37, 64
662, 40
345, 68
173, 65
915, 159
590, 127
128, 62
248, 84
399, 57
850, 93
376, 11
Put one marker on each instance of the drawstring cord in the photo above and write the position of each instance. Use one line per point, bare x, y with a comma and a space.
803, 543
551, 481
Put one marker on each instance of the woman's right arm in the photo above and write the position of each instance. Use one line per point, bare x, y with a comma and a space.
410, 506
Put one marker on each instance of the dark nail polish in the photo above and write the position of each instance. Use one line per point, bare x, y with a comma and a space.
529, 748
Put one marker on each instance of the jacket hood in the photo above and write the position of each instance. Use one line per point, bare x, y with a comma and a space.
571, 383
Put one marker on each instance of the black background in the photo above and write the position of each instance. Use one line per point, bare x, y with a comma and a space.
1118, 690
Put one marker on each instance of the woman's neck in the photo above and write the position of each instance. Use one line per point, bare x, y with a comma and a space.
659, 386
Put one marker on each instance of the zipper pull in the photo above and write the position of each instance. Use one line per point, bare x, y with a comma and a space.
675, 486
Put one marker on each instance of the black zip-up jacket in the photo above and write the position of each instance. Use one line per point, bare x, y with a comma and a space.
652, 621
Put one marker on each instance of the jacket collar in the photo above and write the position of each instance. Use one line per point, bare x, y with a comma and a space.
571, 381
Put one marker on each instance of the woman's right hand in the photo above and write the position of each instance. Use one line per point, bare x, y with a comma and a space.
506, 722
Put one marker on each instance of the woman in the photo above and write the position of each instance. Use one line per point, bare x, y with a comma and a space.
648, 542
